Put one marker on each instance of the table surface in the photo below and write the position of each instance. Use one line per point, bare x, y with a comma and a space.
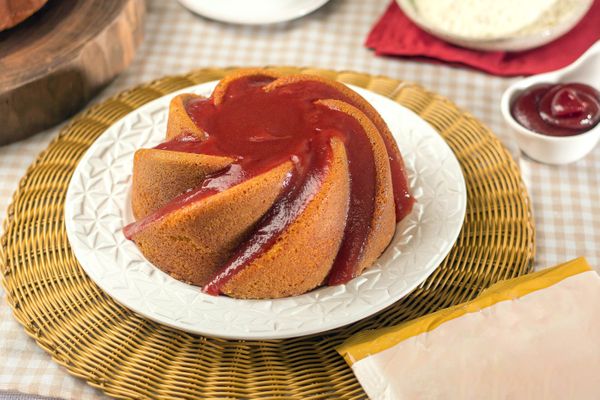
565, 200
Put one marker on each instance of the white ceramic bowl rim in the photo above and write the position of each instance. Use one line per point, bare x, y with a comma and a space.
245, 12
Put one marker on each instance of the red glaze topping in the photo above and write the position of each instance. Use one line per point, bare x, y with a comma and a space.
229, 177
558, 110
183, 143
262, 130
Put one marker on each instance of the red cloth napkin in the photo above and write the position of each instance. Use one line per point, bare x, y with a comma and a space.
395, 34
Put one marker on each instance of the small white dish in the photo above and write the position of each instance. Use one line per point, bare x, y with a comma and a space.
252, 12
554, 149
518, 42
98, 205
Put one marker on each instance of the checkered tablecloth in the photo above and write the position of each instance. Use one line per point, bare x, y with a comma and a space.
566, 200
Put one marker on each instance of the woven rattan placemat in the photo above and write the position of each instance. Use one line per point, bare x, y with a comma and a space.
128, 356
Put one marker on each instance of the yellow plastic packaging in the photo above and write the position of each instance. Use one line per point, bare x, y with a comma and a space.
470, 350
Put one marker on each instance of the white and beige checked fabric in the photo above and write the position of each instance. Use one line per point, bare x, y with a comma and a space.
566, 200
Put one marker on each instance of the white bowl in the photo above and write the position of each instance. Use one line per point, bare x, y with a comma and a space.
555, 149
508, 43
255, 12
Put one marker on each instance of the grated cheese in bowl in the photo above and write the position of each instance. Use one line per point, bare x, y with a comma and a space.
493, 19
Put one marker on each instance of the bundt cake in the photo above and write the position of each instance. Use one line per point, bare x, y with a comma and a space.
271, 187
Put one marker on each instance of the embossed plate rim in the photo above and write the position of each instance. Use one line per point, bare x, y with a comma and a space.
314, 312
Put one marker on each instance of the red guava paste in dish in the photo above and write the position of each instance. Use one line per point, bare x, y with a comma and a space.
262, 130
564, 109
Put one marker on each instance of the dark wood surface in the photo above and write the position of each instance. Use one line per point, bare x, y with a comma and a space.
55, 61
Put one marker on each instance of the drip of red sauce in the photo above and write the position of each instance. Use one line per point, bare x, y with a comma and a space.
217, 183
558, 110
306, 181
184, 144
261, 130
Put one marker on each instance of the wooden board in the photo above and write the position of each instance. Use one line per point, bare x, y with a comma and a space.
55, 61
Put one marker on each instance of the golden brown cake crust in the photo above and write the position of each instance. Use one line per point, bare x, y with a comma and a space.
383, 222
360, 103
302, 256
179, 122
193, 242
224, 83
160, 175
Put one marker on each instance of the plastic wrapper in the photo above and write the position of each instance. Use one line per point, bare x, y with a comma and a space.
532, 337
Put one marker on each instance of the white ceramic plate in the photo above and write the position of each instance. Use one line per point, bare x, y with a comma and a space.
98, 206
252, 12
